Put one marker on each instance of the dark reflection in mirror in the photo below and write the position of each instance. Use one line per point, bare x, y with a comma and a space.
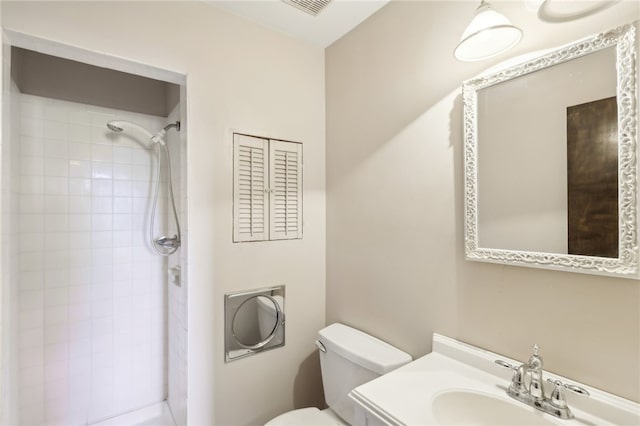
592, 178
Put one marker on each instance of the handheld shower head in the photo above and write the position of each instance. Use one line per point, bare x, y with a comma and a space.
164, 245
113, 127
122, 125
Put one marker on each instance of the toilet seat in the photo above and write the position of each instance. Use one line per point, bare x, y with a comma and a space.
307, 417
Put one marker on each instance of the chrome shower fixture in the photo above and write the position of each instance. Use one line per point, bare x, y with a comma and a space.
119, 126
175, 125
164, 245
114, 127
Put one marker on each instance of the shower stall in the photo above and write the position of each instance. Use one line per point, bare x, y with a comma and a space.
94, 239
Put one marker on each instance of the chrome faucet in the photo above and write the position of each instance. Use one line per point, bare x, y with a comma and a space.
527, 386
534, 366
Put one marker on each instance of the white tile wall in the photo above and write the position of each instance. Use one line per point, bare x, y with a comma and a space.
93, 298
178, 295
9, 290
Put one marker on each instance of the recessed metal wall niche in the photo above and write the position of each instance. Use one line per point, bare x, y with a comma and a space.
253, 321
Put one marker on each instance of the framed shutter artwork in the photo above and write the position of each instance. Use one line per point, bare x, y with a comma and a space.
285, 163
267, 189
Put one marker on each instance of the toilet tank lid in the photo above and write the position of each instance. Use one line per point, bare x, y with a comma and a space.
362, 349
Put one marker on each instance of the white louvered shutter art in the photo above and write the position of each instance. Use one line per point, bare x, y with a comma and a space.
250, 189
285, 183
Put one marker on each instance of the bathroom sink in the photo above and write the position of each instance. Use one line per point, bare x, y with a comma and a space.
462, 407
460, 384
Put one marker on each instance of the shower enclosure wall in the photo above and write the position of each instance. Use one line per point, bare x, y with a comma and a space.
98, 328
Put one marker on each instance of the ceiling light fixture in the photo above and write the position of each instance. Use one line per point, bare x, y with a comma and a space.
490, 33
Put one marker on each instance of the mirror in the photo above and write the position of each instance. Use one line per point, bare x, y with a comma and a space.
550, 159
254, 321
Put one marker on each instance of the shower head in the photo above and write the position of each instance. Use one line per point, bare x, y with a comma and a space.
113, 127
121, 125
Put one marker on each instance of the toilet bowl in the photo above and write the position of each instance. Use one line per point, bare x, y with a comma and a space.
348, 359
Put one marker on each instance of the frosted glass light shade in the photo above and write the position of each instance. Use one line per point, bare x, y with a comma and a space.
489, 34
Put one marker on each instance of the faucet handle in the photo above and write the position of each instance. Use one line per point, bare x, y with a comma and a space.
557, 396
573, 388
577, 389
505, 364
517, 380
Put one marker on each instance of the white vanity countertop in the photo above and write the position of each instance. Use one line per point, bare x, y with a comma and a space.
405, 396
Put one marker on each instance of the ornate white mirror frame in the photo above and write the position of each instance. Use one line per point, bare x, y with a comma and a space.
626, 264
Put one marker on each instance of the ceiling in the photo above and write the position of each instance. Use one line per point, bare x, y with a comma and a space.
337, 19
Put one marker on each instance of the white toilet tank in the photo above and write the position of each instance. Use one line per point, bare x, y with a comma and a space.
352, 358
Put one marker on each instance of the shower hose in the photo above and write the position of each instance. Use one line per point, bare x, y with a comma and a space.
164, 246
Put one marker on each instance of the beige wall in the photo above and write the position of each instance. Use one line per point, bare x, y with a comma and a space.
239, 76
395, 255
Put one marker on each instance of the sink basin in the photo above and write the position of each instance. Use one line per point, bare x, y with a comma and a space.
462, 407
459, 384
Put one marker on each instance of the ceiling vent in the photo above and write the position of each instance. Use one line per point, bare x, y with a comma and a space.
312, 7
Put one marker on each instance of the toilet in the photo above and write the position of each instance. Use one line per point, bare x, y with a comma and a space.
348, 359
